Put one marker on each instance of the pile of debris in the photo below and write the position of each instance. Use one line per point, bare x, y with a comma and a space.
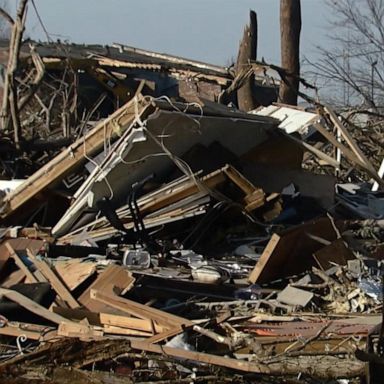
151, 233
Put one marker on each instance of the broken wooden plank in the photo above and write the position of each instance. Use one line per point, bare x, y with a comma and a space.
114, 330
4, 255
81, 331
130, 322
55, 282
142, 311
114, 280
165, 335
74, 272
290, 252
237, 178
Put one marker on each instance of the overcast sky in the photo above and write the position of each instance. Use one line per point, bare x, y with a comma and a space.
207, 30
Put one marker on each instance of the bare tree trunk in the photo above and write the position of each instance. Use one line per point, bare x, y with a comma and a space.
247, 52
290, 27
10, 106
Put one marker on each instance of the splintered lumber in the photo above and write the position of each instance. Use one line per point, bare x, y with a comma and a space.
21, 244
140, 310
321, 367
310, 148
74, 272
55, 282
65, 162
237, 178
291, 252
114, 280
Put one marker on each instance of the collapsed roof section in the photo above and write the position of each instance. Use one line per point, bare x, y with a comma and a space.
143, 137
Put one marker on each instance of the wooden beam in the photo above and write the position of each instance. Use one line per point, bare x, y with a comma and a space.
114, 280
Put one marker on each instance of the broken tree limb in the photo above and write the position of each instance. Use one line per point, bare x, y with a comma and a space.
326, 367
247, 53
